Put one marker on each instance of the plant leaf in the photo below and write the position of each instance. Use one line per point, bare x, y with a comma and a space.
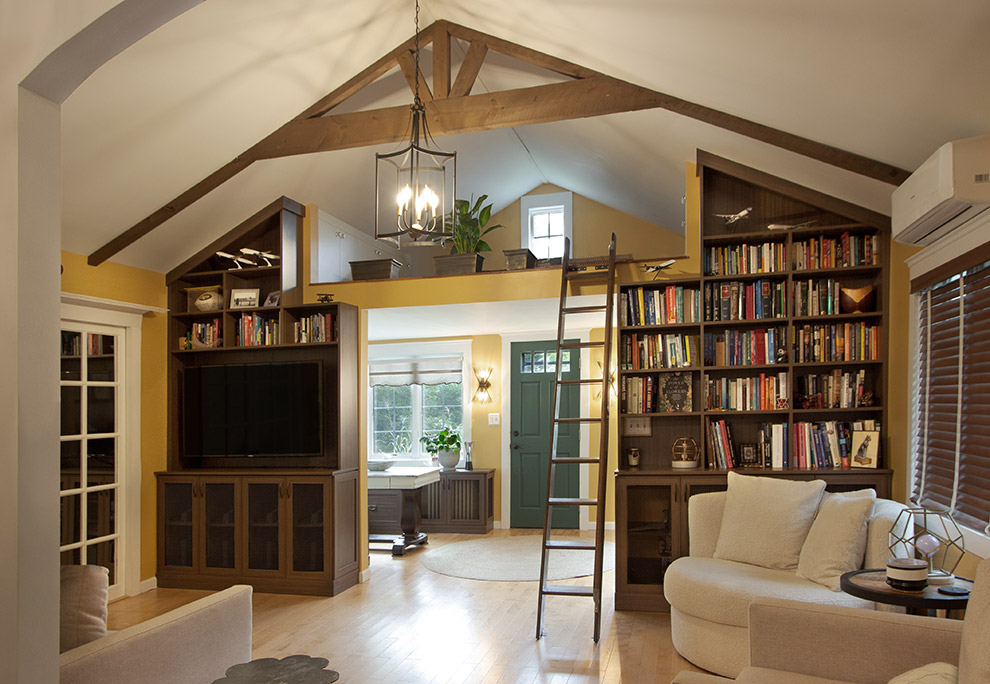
485, 215
474, 209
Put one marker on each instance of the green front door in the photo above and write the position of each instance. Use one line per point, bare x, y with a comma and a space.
533, 368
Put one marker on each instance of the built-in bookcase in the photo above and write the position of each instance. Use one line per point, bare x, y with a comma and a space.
766, 360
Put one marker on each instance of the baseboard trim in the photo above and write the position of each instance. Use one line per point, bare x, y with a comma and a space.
364, 575
148, 585
498, 525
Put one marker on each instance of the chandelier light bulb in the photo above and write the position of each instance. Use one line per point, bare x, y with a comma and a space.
402, 199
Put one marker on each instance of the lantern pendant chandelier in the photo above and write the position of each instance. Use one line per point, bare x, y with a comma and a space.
414, 186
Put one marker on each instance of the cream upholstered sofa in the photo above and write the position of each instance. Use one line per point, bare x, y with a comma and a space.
710, 593
193, 644
800, 643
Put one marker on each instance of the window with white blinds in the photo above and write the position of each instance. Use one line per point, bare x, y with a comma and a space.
951, 440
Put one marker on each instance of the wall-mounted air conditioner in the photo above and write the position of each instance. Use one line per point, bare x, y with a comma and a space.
949, 190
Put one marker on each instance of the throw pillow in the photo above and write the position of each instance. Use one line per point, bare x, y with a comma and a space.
82, 605
766, 520
933, 673
836, 542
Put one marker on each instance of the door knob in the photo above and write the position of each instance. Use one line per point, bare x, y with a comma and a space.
515, 433
515, 446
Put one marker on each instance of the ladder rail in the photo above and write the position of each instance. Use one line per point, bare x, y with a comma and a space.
606, 264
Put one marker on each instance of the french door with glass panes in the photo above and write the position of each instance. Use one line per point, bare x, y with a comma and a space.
92, 403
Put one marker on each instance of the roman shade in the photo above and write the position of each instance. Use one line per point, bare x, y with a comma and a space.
427, 370
951, 442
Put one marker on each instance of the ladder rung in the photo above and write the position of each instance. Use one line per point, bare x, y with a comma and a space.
584, 419
572, 544
576, 459
566, 590
583, 309
581, 345
582, 381
555, 501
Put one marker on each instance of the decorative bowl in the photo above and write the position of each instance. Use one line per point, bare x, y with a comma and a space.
380, 464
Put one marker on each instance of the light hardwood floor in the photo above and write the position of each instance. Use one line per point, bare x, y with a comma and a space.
408, 624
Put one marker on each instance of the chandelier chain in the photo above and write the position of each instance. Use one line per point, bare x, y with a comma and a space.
416, 99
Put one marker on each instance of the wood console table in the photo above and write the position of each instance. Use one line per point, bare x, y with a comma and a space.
408, 480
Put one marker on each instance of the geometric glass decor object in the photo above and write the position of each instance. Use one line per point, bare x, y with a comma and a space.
932, 536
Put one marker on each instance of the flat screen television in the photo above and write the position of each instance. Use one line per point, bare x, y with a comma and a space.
253, 410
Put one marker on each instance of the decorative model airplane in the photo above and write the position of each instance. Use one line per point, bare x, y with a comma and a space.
732, 218
257, 255
656, 269
232, 257
785, 226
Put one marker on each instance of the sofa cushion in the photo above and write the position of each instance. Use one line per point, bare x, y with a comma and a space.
933, 673
766, 520
82, 605
974, 656
763, 675
836, 542
721, 591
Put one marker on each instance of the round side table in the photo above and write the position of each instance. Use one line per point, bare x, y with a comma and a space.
872, 586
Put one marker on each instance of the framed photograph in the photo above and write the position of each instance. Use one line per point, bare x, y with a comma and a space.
244, 299
865, 447
749, 456
272, 298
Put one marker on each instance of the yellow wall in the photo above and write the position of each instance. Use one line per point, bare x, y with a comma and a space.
135, 285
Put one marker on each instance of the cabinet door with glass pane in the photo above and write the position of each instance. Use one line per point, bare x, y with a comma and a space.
266, 510
309, 515
219, 505
90, 460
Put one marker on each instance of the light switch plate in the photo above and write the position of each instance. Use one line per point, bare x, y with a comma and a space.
638, 427
494, 419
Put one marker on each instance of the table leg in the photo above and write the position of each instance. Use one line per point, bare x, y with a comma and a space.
409, 523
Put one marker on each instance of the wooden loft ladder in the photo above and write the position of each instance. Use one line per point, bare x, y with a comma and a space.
586, 269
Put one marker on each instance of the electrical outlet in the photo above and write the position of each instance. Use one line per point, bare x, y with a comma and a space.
494, 419
638, 427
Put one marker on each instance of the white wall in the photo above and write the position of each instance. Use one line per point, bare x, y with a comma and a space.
30, 213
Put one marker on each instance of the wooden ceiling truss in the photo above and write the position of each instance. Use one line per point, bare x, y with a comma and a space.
452, 109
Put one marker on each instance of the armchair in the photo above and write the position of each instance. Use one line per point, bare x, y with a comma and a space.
806, 643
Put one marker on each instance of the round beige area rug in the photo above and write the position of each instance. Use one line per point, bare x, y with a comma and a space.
510, 559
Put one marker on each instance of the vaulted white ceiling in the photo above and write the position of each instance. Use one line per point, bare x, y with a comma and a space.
890, 80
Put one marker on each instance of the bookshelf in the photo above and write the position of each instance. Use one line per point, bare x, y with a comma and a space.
279, 523
768, 360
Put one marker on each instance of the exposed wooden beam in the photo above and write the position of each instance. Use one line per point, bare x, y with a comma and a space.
592, 94
441, 61
407, 62
155, 219
468, 73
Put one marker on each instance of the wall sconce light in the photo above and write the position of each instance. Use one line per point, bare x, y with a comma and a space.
482, 395
612, 394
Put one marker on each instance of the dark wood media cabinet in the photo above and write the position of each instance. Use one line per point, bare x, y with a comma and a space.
462, 501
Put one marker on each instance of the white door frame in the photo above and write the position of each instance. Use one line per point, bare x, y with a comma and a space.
127, 318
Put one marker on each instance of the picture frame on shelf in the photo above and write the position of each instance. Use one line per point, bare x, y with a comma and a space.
749, 456
244, 298
273, 298
865, 448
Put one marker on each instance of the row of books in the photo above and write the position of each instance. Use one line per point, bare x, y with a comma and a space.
833, 390
756, 347
825, 343
643, 351
658, 306
816, 297
768, 257
842, 252
662, 393
96, 345
763, 392
203, 335
738, 301
316, 328
769, 451
834, 444
254, 330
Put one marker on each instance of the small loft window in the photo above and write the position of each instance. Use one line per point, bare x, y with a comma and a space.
546, 220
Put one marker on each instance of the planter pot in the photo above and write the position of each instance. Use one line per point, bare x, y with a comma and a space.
458, 264
373, 269
519, 259
449, 459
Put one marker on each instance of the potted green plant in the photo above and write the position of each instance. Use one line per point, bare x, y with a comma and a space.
445, 446
470, 225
